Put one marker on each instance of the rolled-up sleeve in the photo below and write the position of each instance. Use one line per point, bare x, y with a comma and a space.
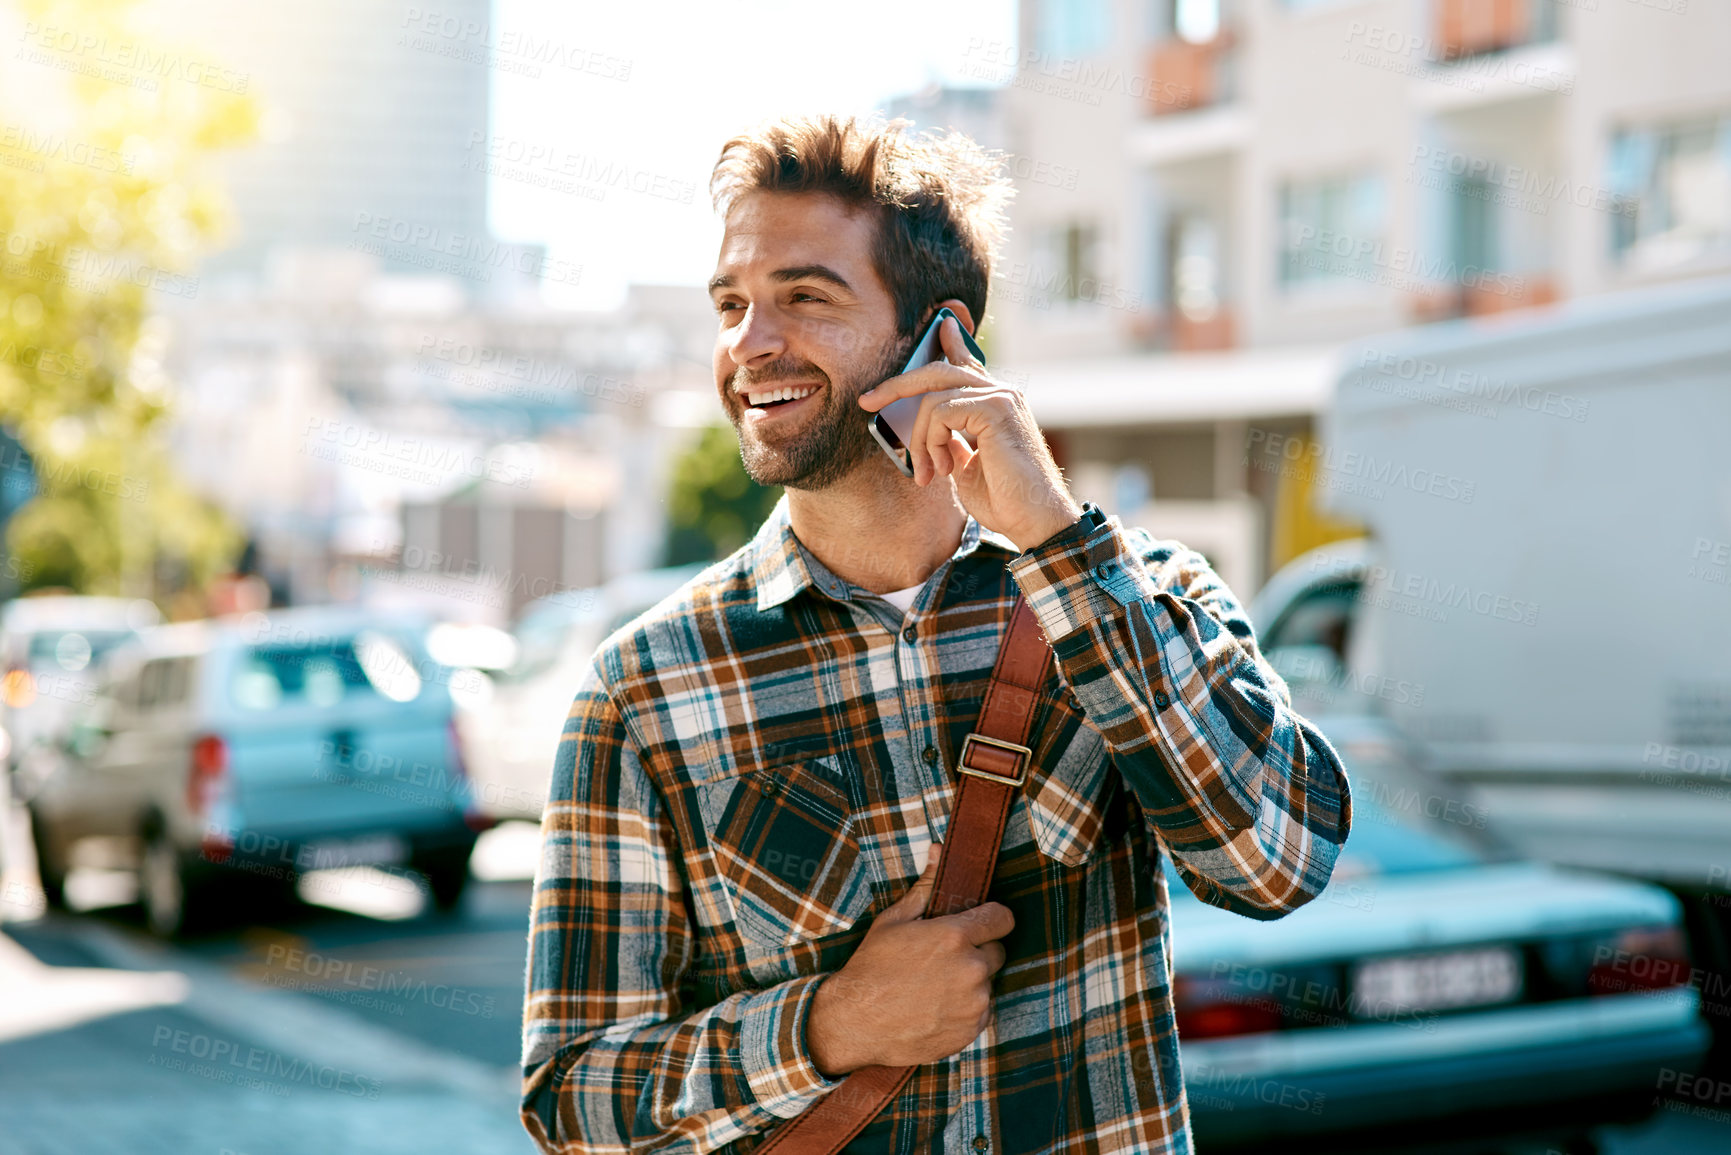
612, 1059
1249, 797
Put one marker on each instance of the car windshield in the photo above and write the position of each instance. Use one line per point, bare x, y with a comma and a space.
323, 674
73, 650
541, 636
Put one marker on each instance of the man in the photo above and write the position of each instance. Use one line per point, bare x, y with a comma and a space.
756, 775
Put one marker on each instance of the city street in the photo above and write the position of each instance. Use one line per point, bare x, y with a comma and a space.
359, 1024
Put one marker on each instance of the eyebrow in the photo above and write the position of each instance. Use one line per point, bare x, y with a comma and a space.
791, 273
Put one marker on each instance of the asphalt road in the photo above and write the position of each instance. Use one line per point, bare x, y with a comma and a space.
363, 1023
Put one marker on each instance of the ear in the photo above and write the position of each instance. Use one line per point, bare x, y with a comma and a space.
961, 312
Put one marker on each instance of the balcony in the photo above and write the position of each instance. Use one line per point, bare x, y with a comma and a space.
1493, 294
1475, 27
1186, 75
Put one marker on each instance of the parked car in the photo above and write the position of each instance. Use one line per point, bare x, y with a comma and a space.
250, 750
1440, 980
50, 648
512, 732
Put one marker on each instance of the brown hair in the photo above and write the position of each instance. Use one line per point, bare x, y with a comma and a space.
940, 198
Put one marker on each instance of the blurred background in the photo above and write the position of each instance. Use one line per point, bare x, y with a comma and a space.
354, 383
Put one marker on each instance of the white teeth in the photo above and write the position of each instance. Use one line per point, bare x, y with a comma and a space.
785, 393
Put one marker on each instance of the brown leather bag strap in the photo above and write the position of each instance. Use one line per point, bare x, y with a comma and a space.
991, 768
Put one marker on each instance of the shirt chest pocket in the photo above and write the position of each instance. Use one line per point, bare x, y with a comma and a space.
1067, 802
787, 843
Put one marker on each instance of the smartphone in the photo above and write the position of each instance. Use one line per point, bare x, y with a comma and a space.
893, 425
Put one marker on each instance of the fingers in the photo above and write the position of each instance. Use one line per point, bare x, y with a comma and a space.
956, 350
912, 905
994, 954
986, 923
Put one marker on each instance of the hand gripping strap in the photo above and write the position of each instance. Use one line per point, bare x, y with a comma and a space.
992, 766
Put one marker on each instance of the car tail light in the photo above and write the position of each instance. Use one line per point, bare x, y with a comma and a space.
1209, 1009
1643, 959
18, 688
473, 816
208, 774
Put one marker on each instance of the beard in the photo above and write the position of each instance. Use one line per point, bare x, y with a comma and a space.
832, 442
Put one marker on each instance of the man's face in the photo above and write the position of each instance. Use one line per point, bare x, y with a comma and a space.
806, 326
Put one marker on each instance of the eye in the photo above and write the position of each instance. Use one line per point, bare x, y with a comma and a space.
799, 296
724, 306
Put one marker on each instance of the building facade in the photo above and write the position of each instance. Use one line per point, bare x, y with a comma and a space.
1222, 193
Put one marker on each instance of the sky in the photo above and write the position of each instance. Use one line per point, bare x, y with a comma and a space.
663, 85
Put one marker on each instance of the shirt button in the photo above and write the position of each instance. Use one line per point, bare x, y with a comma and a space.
930, 755
909, 634
1161, 701
1103, 570
980, 1143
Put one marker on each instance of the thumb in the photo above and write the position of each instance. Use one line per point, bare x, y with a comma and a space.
912, 905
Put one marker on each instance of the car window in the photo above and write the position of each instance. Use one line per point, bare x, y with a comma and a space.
324, 673
163, 682
1321, 617
73, 650
540, 641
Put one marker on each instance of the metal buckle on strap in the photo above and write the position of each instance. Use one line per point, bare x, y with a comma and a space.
1023, 757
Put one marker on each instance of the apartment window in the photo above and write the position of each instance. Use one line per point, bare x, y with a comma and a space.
1069, 263
1071, 28
1193, 271
1474, 224
1331, 231
1673, 190
1196, 21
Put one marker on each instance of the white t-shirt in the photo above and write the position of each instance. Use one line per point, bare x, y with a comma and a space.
903, 599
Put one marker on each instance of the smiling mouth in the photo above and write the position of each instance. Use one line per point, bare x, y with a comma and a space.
775, 398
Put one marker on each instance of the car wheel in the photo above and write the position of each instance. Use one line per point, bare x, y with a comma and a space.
447, 874
50, 871
174, 892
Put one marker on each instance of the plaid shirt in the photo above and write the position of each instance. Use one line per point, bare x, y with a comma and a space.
757, 766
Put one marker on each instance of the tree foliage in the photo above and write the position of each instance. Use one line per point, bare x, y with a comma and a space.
107, 195
714, 505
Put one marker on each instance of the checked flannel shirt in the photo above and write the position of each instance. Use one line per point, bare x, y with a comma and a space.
757, 766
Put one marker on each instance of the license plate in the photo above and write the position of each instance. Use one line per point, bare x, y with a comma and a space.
374, 850
1434, 982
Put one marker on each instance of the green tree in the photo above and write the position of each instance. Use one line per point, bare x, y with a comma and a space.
714, 505
107, 194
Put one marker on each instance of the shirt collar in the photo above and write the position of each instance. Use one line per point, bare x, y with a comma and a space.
778, 564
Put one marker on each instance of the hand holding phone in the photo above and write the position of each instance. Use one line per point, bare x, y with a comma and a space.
893, 425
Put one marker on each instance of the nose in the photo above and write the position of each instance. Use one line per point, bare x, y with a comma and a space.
758, 338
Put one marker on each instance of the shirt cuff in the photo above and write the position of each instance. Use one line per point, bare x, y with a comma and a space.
1081, 574
773, 1052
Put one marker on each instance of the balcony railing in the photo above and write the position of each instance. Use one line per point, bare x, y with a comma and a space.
1474, 27
1186, 75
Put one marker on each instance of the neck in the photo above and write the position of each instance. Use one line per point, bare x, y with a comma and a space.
878, 530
